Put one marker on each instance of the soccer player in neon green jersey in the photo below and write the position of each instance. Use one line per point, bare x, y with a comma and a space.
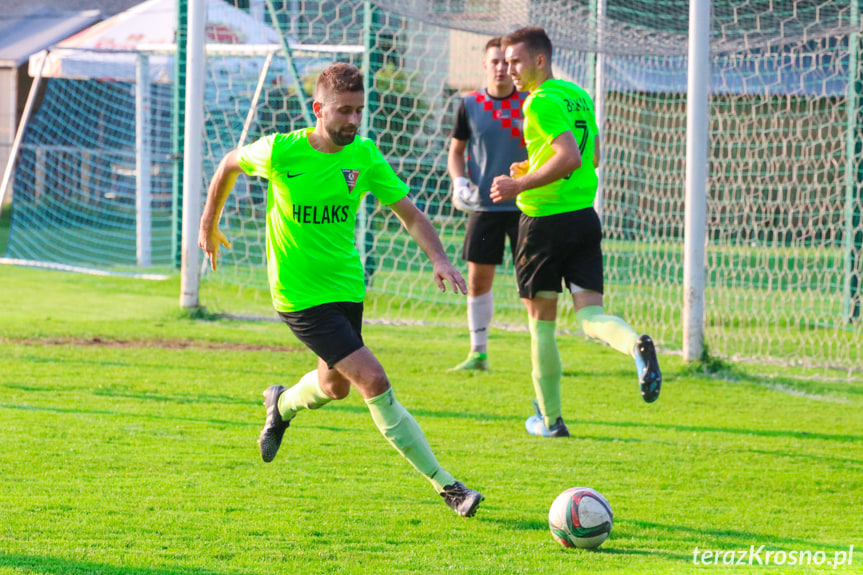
559, 231
317, 177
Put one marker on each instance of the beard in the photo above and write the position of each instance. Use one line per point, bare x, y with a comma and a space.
340, 138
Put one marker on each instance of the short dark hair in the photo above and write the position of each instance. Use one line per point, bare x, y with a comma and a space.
339, 78
495, 42
534, 38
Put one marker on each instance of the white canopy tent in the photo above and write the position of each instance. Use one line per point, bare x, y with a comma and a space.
137, 46
108, 50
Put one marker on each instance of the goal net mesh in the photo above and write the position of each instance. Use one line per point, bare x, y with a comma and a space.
784, 232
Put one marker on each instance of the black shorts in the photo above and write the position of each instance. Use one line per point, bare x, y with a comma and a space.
485, 239
332, 330
560, 247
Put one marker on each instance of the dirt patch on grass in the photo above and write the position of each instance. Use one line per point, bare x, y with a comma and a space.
155, 343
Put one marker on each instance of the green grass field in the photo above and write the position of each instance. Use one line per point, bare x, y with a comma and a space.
764, 303
127, 446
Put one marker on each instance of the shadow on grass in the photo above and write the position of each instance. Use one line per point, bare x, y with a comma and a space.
607, 549
110, 413
189, 398
519, 524
665, 426
735, 373
478, 417
59, 566
126, 415
168, 366
843, 461
177, 398
715, 538
732, 430
442, 414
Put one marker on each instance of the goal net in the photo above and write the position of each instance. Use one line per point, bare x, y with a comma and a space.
784, 233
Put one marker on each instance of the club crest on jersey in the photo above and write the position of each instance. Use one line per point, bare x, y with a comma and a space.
351, 177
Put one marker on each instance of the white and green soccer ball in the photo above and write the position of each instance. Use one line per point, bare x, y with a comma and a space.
580, 517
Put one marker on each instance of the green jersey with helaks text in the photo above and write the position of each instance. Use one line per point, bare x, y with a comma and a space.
312, 202
555, 107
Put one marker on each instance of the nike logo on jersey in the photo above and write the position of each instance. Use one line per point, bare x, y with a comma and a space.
289, 175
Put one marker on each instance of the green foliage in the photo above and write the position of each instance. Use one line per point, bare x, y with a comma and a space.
709, 365
5, 219
129, 448
198, 313
399, 123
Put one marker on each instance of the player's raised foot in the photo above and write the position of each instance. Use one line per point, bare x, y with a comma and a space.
476, 361
461, 499
275, 426
650, 378
535, 425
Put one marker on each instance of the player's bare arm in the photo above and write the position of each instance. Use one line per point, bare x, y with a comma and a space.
210, 237
457, 168
596, 152
421, 230
566, 159
455, 161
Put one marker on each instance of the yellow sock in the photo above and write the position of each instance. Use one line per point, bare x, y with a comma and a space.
306, 394
404, 433
546, 368
608, 328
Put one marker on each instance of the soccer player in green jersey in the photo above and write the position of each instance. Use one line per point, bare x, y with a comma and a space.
559, 231
316, 179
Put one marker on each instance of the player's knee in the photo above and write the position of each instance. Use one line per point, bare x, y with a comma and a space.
477, 289
373, 382
336, 387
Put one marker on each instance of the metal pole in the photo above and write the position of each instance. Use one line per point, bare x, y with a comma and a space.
695, 236
599, 103
178, 129
253, 107
19, 135
193, 158
292, 69
851, 286
362, 216
142, 161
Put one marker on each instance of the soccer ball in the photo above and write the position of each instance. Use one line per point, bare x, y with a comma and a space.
580, 517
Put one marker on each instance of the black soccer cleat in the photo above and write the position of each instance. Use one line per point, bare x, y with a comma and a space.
275, 426
461, 499
651, 378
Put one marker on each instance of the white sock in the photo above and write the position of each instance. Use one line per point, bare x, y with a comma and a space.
480, 310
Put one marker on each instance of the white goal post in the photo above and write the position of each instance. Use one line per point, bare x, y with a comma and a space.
192, 267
